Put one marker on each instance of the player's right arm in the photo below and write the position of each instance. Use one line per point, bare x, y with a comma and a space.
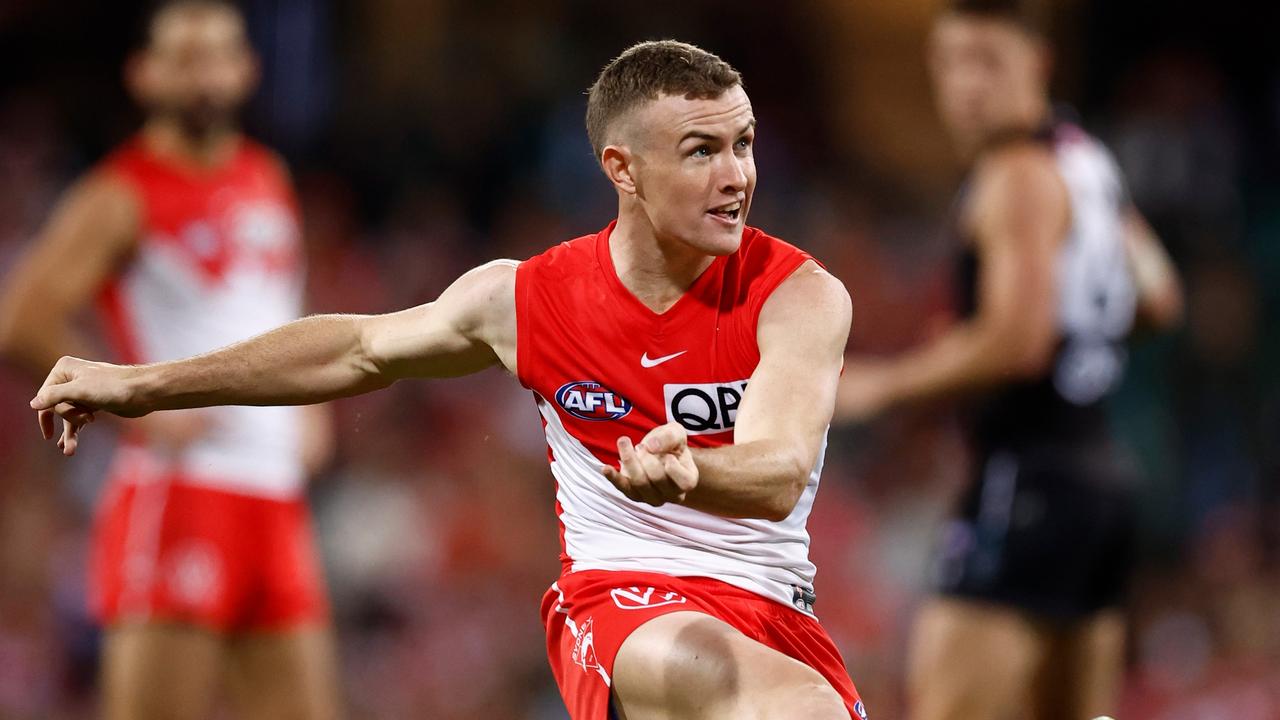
92, 230
1160, 300
471, 326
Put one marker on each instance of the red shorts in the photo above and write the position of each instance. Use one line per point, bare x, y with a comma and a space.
587, 616
229, 562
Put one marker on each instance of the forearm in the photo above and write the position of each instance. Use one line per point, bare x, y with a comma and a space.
758, 479
963, 360
307, 361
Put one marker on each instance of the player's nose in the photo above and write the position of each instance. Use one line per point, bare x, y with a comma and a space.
733, 176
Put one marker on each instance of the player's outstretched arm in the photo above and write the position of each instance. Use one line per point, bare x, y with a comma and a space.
470, 327
781, 424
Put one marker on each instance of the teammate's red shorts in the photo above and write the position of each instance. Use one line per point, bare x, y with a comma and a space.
588, 614
165, 550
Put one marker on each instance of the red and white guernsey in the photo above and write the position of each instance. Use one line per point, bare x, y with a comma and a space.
217, 261
602, 365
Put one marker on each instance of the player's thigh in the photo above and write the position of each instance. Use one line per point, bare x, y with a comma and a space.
286, 675
692, 666
155, 671
971, 660
1082, 678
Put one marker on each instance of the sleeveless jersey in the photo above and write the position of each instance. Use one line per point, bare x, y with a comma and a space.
1096, 303
601, 365
217, 260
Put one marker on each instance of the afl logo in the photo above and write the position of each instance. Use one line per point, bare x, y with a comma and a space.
590, 400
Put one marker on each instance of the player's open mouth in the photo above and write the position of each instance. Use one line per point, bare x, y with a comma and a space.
727, 214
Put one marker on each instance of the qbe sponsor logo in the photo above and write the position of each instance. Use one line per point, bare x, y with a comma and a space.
704, 408
589, 400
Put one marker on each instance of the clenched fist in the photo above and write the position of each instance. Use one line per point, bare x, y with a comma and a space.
657, 471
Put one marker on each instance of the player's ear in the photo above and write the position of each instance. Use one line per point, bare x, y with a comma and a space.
617, 161
252, 73
1042, 51
136, 75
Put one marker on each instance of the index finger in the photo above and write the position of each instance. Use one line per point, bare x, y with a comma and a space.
628, 459
45, 419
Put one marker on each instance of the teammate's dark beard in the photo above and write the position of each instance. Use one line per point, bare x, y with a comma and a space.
198, 121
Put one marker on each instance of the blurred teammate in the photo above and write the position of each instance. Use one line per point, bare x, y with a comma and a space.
203, 564
685, 367
1054, 264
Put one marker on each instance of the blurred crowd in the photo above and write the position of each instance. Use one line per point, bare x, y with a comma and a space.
427, 137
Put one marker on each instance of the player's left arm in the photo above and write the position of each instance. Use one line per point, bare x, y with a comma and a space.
786, 408
1020, 216
781, 423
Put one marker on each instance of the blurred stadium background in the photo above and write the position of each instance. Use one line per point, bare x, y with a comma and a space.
427, 136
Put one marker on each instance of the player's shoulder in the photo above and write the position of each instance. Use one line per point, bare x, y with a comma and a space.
126, 163
1015, 178
1015, 163
486, 292
810, 288
108, 191
258, 157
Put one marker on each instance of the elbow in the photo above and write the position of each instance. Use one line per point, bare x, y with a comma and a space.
1029, 364
1163, 312
1028, 358
791, 488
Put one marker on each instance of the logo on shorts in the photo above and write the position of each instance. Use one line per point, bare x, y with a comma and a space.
704, 407
589, 400
862, 711
584, 649
193, 573
634, 598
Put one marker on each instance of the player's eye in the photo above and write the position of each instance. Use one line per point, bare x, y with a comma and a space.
701, 151
743, 143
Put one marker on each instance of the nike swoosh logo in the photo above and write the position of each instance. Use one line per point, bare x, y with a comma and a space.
645, 361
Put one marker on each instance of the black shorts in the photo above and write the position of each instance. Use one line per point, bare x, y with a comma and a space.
1049, 531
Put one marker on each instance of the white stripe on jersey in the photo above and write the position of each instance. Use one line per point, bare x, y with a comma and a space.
173, 313
1096, 291
603, 530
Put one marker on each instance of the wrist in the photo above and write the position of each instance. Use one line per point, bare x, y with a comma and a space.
144, 385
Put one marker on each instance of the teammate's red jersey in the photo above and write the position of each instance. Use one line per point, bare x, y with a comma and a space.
218, 260
603, 365
217, 533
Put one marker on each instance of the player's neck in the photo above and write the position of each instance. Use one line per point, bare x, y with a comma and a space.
168, 140
1032, 119
656, 271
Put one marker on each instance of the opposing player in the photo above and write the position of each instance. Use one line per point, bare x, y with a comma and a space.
1054, 263
203, 566
685, 367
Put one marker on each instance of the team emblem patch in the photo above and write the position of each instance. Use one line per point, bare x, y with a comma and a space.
589, 400
584, 650
862, 711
